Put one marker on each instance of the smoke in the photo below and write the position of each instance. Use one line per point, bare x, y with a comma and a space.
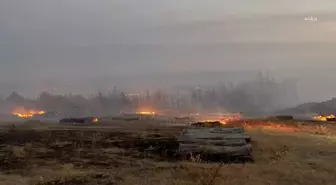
258, 96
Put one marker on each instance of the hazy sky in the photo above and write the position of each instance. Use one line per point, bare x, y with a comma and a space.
54, 40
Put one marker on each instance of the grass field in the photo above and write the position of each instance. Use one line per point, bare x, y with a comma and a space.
117, 153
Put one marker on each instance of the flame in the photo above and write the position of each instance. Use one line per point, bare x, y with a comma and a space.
224, 119
21, 112
95, 120
276, 126
146, 113
210, 120
230, 118
324, 118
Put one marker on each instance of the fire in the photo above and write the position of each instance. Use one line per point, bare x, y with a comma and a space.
95, 120
146, 113
230, 119
275, 126
324, 118
224, 119
211, 121
23, 113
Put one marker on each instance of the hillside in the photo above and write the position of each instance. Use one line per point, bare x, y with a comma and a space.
326, 107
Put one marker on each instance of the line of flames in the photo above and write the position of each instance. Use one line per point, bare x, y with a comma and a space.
324, 118
28, 114
223, 119
146, 113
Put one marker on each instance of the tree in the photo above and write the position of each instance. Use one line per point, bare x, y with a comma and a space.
16, 98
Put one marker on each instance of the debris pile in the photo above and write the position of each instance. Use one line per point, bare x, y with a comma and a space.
80, 121
215, 144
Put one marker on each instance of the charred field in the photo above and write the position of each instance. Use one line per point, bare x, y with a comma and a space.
143, 152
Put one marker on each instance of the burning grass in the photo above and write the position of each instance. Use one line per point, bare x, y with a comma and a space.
330, 117
289, 153
310, 127
21, 112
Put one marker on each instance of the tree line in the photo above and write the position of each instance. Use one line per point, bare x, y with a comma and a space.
258, 96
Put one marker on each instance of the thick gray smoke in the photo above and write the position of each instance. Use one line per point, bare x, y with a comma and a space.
255, 97
63, 46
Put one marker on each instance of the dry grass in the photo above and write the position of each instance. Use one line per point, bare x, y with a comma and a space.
283, 155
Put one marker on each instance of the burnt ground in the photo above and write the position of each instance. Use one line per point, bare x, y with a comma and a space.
145, 153
85, 147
